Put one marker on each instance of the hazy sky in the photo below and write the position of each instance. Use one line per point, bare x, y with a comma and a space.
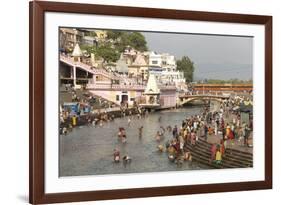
216, 57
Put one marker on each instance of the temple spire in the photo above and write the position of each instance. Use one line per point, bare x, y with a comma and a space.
152, 87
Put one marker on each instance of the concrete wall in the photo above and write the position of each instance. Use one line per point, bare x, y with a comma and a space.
112, 95
168, 99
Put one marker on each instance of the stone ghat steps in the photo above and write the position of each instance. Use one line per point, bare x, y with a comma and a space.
201, 152
237, 154
203, 157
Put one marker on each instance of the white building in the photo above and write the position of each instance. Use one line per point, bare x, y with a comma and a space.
163, 60
155, 59
174, 77
163, 67
168, 62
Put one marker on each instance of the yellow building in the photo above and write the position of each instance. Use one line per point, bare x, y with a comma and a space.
101, 34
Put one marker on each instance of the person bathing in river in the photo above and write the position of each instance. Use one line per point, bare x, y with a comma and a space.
127, 159
120, 133
129, 122
124, 138
183, 124
162, 132
160, 148
116, 155
158, 137
140, 131
175, 131
169, 128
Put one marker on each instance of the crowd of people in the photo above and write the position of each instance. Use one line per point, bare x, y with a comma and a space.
86, 109
224, 123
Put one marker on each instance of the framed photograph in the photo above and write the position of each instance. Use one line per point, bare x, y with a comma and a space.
132, 102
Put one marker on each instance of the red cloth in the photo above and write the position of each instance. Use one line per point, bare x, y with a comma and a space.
231, 135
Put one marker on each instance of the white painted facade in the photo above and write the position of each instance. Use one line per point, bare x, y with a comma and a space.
168, 62
155, 59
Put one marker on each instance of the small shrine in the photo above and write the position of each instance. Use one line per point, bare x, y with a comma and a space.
77, 53
151, 93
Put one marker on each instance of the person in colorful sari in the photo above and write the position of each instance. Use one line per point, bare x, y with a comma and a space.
193, 138
228, 130
222, 147
218, 157
213, 152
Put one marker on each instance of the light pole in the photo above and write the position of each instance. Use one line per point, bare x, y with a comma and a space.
203, 89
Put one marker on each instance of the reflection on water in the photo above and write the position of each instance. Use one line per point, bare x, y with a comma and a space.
88, 150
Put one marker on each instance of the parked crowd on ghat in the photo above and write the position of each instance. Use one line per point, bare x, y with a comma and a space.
84, 113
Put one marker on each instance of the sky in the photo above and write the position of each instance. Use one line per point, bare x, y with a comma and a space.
214, 57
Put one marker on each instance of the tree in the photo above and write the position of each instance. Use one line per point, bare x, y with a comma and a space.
108, 53
123, 39
104, 51
88, 48
92, 33
187, 67
111, 34
137, 41
123, 42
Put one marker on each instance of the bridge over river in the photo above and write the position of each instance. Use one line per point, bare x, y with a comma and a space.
183, 99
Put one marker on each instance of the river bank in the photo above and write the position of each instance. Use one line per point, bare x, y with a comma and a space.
109, 114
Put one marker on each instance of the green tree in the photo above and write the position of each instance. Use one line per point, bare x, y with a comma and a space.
111, 34
123, 42
89, 49
123, 39
108, 53
137, 41
187, 67
92, 33
105, 51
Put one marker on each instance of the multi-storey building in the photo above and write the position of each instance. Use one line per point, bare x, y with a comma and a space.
155, 59
69, 38
163, 67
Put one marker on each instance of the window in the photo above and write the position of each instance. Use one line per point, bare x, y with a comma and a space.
117, 98
154, 62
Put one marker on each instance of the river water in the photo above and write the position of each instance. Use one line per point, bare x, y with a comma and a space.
88, 150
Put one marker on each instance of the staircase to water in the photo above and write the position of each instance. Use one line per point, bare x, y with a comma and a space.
201, 152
